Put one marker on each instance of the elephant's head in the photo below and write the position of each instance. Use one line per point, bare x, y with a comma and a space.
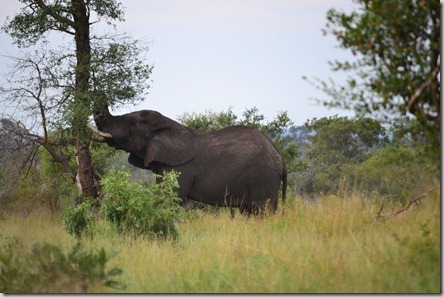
148, 136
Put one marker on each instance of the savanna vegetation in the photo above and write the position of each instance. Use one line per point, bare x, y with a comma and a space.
363, 203
334, 245
344, 227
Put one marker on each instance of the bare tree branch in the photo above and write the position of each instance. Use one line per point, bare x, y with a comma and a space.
411, 105
33, 88
16, 153
382, 218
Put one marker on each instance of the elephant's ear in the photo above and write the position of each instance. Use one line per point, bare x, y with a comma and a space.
172, 146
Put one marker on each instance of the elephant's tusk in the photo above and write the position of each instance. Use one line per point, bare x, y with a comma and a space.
102, 134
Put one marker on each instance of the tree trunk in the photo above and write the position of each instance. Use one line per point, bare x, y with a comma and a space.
85, 176
85, 173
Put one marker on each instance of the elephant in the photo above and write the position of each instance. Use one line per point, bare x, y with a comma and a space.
236, 166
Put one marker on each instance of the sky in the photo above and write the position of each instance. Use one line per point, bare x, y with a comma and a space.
211, 55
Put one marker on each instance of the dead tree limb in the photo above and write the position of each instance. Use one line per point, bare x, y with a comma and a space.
382, 218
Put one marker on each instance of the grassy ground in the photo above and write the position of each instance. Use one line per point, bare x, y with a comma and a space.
330, 246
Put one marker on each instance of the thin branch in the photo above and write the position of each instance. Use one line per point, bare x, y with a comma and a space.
38, 97
58, 17
380, 210
29, 160
382, 218
414, 98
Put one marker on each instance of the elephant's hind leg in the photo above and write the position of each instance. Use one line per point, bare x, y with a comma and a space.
264, 198
255, 208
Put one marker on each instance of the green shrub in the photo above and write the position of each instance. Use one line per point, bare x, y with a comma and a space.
396, 173
47, 269
335, 143
79, 219
421, 255
138, 210
38, 191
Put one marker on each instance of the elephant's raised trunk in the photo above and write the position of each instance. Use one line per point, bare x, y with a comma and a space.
103, 136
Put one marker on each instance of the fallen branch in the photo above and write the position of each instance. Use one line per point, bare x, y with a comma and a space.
382, 218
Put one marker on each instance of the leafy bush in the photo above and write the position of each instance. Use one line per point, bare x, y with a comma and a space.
393, 172
79, 219
422, 254
333, 144
134, 208
47, 269
46, 185
138, 210
37, 190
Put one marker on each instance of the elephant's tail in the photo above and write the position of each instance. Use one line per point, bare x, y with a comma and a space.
284, 182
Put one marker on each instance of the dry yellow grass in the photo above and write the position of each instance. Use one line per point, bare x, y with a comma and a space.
329, 246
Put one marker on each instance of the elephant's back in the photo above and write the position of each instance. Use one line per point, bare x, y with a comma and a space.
244, 144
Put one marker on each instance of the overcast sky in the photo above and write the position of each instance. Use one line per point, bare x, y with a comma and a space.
216, 54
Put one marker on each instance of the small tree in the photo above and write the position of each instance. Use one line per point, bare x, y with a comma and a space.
395, 172
63, 88
335, 142
397, 47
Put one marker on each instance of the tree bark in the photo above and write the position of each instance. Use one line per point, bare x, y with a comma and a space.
85, 173
85, 176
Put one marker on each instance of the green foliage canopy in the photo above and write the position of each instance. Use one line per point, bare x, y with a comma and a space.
335, 142
83, 80
39, 17
396, 71
395, 172
115, 70
338, 140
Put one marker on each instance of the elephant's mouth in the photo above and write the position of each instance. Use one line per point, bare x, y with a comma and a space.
102, 136
123, 144
113, 141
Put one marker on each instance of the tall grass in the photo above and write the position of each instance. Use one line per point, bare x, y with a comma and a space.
333, 245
